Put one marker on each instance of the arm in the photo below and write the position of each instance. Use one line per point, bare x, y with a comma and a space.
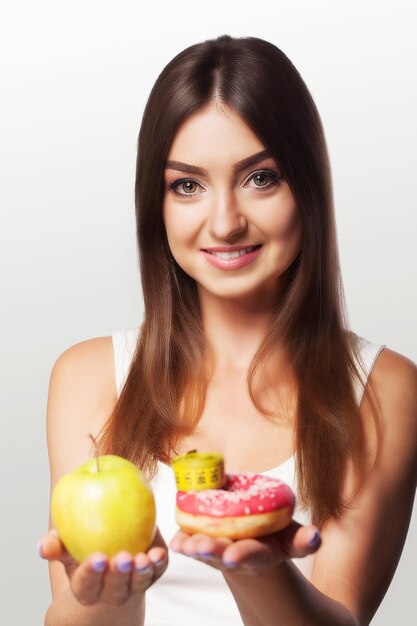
284, 596
360, 551
81, 396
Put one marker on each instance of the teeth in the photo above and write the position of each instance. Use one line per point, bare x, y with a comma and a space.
232, 255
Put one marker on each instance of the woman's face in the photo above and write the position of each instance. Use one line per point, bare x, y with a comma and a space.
216, 206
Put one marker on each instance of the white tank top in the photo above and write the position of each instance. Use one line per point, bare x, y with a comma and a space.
191, 592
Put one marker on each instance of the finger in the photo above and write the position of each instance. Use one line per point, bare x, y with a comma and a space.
51, 548
117, 582
193, 543
201, 547
211, 549
252, 552
199, 544
142, 577
295, 541
178, 540
157, 554
147, 570
87, 579
299, 541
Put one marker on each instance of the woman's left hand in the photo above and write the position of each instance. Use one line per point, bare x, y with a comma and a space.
249, 555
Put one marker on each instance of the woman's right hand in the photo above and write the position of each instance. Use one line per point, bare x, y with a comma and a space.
115, 580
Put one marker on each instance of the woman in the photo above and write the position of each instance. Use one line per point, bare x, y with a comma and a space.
247, 355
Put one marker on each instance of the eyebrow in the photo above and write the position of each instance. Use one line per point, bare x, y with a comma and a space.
237, 167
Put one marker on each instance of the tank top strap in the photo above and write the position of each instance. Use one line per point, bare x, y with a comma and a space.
365, 354
124, 344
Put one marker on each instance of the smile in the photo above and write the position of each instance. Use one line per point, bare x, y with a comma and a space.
235, 259
232, 255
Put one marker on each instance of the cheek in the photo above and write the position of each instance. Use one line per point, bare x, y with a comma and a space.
181, 225
285, 224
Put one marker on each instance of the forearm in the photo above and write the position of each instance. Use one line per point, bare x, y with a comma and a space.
65, 610
283, 596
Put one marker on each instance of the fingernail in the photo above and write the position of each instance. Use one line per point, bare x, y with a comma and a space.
98, 566
159, 562
125, 566
315, 540
230, 564
205, 554
39, 546
143, 570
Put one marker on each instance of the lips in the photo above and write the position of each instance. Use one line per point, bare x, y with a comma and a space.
233, 257
233, 252
249, 247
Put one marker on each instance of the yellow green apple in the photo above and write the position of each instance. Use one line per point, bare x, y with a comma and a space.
104, 505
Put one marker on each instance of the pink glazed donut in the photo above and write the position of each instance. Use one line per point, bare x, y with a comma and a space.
249, 505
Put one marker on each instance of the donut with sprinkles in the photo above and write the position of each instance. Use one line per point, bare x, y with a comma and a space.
248, 505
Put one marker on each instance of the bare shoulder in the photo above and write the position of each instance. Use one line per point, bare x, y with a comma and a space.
394, 383
82, 394
87, 370
92, 356
394, 374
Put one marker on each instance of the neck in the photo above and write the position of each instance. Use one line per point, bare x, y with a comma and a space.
235, 328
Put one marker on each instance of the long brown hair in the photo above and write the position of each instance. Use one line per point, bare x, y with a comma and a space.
164, 393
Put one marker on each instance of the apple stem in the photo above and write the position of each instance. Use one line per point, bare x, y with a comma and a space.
95, 450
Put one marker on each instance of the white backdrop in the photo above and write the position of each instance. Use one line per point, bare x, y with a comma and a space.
74, 82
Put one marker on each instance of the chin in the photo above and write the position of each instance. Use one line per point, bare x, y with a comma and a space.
242, 294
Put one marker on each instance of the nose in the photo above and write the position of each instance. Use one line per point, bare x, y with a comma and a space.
226, 220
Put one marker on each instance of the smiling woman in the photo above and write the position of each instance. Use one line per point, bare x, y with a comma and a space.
244, 350
254, 213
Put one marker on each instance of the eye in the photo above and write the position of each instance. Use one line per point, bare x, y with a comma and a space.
261, 175
184, 183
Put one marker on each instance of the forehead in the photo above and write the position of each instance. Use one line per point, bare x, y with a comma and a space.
211, 137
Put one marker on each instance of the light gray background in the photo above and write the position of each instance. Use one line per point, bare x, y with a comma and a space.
74, 81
